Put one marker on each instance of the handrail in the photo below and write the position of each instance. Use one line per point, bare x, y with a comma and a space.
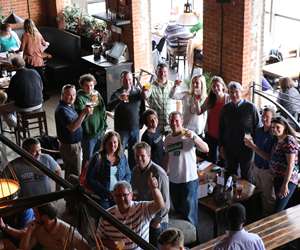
262, 94
79, 191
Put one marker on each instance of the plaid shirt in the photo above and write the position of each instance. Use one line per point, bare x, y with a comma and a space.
160, 101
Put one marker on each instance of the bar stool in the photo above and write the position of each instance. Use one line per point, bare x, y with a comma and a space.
27, 122
11, 131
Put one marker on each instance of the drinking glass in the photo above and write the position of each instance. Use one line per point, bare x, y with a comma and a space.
239, 190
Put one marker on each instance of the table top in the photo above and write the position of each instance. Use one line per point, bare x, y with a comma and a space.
210, 203
102, 62
4, 82
289, 67
275, 230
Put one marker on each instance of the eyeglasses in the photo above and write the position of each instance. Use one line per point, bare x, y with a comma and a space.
122, 195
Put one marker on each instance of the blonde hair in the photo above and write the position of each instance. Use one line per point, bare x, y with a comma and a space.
30, 27
202, 87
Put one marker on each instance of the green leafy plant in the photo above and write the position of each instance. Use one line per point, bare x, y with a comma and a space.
83, 24
208, 77
198, 26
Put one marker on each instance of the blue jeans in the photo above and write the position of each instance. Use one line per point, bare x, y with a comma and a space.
129, 138
184, 199
90, 146
281, 203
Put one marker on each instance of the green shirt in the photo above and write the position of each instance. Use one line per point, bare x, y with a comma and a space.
95, 123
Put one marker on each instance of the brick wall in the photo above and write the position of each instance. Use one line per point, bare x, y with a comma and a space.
20, 7
236, 53
140, 39
137, 36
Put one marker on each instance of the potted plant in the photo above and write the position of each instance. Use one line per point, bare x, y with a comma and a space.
88, 27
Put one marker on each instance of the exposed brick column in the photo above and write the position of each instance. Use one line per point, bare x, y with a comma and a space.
236, 54
140, 38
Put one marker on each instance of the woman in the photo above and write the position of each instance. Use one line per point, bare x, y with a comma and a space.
33, 45
94, 125
191, 101
283, 161
289, 96
214, 103
107, 167
9, 40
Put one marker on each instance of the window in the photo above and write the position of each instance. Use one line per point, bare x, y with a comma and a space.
89, 6
280, 14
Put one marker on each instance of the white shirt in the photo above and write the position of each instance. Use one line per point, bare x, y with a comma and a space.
240, 240
182, 158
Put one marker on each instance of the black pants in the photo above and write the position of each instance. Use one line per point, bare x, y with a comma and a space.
239, 158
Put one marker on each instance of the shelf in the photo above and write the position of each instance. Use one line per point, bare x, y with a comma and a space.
107, 18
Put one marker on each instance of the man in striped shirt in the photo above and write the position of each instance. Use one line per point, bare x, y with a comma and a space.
134, 214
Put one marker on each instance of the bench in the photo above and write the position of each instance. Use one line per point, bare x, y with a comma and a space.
275, 230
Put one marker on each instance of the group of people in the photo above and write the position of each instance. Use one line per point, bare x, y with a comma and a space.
166, 156
26, 91
167, 151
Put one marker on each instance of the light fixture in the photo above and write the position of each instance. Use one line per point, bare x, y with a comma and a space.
12, 18
188, 18
9, 189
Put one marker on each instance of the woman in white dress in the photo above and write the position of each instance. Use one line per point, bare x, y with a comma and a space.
192, 99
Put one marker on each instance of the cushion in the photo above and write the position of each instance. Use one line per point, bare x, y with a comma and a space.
188, 229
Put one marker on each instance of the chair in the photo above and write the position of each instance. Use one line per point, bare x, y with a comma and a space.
27, 122
8, 130
175, 54
197, 60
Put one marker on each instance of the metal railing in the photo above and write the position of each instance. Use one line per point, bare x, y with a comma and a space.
268, 97
13, 206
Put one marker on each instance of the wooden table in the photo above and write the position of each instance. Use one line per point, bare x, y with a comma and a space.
209, 203
289, 67
211, 206
275, 230
4, 82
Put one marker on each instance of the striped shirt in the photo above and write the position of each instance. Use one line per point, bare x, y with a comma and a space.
137, 219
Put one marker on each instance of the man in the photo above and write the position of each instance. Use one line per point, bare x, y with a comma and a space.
143, 169
171, 239
173, 33
237, 237
238, 118
134, 214
158, 97
69, 131
260, 173
94, 125
182, 167
24, 91
51, 233
32, 181
127, 103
